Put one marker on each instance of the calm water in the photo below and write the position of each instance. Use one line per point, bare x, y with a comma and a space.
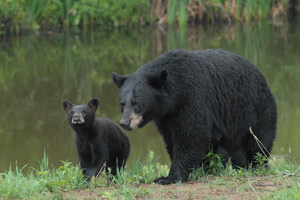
38, 71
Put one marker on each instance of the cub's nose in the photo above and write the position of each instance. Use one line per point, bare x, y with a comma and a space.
125, 124
76, 116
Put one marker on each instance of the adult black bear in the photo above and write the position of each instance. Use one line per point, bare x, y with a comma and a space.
200, 100
98, 140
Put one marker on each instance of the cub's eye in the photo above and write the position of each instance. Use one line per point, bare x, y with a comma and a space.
83, 112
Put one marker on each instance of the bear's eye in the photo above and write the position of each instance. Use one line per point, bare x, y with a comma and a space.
83, 112
122, 104
138, 108
133, 102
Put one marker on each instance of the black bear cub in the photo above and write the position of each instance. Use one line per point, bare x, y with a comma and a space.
98, 140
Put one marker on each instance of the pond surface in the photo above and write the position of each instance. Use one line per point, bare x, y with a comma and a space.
38, 71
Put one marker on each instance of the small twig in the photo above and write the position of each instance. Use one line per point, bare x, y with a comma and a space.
108, 181
286, 174
104, 165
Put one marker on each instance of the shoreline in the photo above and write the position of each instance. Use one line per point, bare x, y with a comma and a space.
21, 17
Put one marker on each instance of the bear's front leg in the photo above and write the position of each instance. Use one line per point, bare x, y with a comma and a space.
176, 174
84, 155
94, 169
186, 155
100, 155
173, 177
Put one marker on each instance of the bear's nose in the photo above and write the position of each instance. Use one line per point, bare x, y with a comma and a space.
125, 124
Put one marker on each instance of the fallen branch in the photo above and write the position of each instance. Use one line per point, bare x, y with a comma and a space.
103, 166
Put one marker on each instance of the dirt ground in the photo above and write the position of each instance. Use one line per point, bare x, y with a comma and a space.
209, 188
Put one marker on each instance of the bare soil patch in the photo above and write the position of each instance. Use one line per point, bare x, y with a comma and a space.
207, 188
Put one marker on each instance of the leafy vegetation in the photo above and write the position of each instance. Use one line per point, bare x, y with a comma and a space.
15, 184
32, 15
49, 183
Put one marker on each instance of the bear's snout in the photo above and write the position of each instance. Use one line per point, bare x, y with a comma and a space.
131, 121
77, 118
125, 123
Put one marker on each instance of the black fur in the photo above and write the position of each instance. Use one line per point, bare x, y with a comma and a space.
207, 100
98, 140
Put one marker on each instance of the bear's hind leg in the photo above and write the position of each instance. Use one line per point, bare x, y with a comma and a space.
239, 159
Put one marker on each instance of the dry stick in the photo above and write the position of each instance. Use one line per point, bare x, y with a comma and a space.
104, 165
108, 181
259, 143
286, 174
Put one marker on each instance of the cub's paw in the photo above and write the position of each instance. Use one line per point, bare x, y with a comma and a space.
164, 181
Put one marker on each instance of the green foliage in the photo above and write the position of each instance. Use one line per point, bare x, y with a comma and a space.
32, 15
149, 169
105, 12
177, 11
15, 184
257, 8
29, 15
212, 165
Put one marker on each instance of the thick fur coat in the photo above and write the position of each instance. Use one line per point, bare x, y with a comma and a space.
98, 140
200, 100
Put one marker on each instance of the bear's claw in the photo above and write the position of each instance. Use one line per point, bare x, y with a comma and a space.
164, 181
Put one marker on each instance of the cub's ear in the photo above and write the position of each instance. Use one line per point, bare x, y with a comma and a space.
118, 79
93, 103
67, 105
158, 81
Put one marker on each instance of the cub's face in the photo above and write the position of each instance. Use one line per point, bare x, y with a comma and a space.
140, 98
81, 114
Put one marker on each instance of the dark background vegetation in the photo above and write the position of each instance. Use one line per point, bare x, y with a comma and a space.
17, 16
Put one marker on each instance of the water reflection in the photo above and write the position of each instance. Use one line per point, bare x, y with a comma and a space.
39, 71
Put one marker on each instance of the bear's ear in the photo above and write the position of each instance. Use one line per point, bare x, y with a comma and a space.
158, 81
67, 105
93, 103
118, 79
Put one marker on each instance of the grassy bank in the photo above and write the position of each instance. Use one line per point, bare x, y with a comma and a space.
281, 181
31, 15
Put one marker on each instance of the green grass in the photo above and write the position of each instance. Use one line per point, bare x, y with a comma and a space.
46, 182
67, 177
15, 184
293, 192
